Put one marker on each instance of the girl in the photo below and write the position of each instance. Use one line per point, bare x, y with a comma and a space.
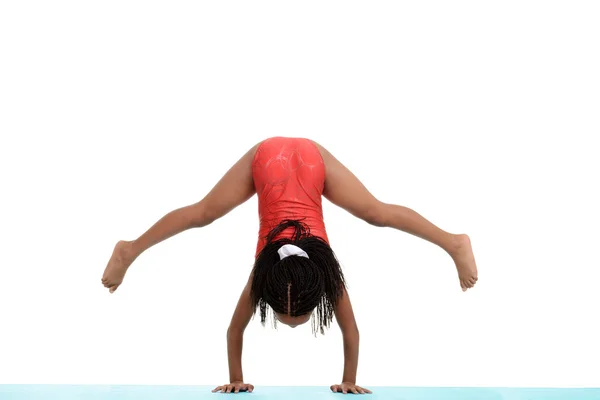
296, 273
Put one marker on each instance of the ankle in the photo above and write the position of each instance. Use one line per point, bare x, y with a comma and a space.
129, 251
455, 243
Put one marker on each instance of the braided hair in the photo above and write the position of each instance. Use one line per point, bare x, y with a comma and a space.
297, 285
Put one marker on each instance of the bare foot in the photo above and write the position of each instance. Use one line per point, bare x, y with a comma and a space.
463, 257
118, 264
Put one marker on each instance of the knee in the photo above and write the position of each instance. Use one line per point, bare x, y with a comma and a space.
210, 215
202, 215
375, 214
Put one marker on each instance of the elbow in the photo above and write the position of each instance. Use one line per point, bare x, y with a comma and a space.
234, 331
351, 338
351, 333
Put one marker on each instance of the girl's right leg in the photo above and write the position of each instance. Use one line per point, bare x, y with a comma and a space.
344, 189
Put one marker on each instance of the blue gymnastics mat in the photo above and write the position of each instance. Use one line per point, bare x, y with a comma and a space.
131, 392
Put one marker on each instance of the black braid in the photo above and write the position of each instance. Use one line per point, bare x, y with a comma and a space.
314, 283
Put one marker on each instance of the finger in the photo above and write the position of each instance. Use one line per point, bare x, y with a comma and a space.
229, 387
363, 390
344, 390
216, 389
353, 389
237, 389
113, 288
334, 388
251, 388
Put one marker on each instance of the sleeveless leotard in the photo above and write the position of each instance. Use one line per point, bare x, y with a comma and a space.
289, 176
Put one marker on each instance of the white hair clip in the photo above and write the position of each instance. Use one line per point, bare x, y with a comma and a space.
290, 250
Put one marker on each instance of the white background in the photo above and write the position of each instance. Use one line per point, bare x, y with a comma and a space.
481, 116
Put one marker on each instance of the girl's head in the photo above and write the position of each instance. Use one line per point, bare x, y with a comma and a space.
297, 287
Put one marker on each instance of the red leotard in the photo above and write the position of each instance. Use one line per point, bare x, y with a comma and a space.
289, 176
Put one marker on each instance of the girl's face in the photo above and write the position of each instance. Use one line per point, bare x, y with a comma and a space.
292, 321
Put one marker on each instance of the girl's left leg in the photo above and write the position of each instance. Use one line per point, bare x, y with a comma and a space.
344, 189
233, 189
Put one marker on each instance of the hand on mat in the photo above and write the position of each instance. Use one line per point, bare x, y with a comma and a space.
121, 259
347, 387
235, 387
